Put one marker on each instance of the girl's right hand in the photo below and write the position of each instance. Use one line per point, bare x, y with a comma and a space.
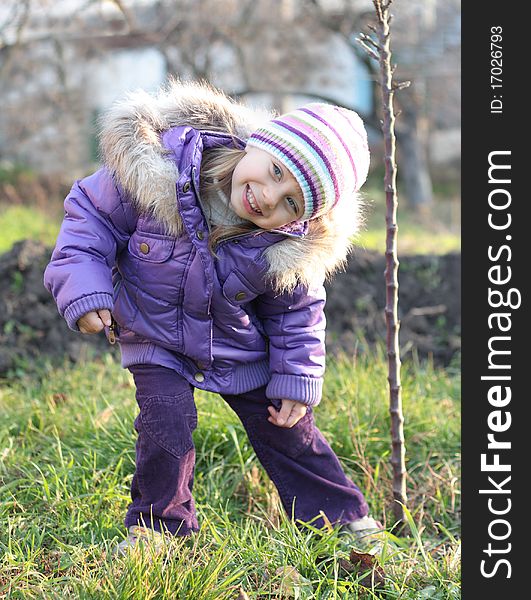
94, 321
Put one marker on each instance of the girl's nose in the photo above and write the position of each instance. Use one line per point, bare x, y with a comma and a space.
270, 199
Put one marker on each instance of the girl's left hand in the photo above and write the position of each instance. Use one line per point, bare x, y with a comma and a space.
290, 413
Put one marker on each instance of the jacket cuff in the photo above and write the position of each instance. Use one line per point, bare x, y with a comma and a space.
306, 390
86, 304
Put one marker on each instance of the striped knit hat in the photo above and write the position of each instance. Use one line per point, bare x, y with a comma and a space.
324, 147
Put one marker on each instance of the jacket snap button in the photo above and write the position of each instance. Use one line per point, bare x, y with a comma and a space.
200, 235
199, 377
144, 248
186, 187
240, 296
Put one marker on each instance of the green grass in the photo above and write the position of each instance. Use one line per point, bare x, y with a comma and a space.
67, 457
433, 230
18, 222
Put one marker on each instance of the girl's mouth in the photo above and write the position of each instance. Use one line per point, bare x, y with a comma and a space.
249, 202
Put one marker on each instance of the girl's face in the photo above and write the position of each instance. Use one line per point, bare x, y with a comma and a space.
264, 191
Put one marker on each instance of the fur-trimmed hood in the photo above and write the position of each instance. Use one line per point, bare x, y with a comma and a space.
130, 142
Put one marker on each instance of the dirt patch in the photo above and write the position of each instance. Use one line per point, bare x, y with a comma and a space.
30, 326
429, 307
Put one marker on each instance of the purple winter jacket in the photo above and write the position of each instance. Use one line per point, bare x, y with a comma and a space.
134, 240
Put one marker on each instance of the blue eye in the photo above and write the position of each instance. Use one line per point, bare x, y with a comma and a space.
277, 170
292, 204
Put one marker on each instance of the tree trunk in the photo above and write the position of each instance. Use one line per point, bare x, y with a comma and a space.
412, 140
381, 51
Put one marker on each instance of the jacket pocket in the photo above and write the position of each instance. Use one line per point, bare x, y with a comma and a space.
148, 300
151, 247
237, 289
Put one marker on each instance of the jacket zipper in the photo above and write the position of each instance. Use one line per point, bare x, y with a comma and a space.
199, 198
112, 334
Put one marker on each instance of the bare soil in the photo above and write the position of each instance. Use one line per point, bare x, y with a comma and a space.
429, 309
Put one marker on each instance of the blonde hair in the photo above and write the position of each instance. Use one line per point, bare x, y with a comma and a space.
217, 167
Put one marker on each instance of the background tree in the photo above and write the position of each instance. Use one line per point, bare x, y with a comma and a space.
46, 60
426, 38
48, 51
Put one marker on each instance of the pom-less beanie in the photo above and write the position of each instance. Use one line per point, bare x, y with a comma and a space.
324, 147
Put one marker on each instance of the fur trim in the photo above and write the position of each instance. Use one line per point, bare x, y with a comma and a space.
130, 139
131, 148
322, 252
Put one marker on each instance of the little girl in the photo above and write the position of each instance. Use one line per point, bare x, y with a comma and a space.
201, 247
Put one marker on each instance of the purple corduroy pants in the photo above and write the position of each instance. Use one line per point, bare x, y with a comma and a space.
299, 461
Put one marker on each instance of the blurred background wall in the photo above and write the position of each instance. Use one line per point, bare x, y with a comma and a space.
63, 62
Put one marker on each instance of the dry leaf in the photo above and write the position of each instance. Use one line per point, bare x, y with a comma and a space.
255, 476
59, 398
103, 417
361, 562
346, 565
326, 521
242, 595
289, 574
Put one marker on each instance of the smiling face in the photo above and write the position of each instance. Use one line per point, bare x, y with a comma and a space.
264, 191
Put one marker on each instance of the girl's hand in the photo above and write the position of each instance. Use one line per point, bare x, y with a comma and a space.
290, 413
94, 321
